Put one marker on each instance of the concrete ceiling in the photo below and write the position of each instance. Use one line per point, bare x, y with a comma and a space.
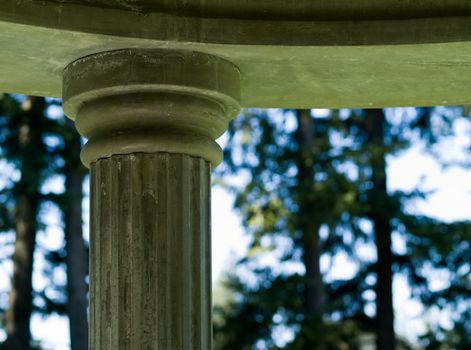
292, 54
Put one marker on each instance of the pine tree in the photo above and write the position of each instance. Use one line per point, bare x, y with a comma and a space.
70, 299
424, 237
41, 148
294, 190
76, 252
314, 289
22, 128
379, 215
284, 177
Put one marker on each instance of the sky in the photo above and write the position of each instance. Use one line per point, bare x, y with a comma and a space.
450, 201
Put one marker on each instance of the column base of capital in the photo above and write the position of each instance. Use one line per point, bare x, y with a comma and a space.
136, 100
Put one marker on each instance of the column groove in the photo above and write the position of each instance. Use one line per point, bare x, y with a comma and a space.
150, 249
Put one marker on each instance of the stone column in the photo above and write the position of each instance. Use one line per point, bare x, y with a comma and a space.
151, 118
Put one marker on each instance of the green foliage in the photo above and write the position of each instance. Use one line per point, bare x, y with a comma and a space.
457, 338
24, 150
325, 189
280, 207
26, 171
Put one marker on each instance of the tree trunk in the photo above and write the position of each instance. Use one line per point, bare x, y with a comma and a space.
314, 292
375, 123
17, 318
76, 258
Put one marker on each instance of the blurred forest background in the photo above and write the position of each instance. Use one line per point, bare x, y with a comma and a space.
308, 187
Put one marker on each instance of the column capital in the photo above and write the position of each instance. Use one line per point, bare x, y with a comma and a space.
151, 100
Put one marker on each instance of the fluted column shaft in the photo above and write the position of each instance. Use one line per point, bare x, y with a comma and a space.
151, 118
150, 252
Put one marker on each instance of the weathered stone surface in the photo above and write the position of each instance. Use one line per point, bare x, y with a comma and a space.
283, 9
151, 118
150, 253
338, 53
128, 101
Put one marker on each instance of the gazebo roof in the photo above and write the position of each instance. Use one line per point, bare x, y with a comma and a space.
304, 53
